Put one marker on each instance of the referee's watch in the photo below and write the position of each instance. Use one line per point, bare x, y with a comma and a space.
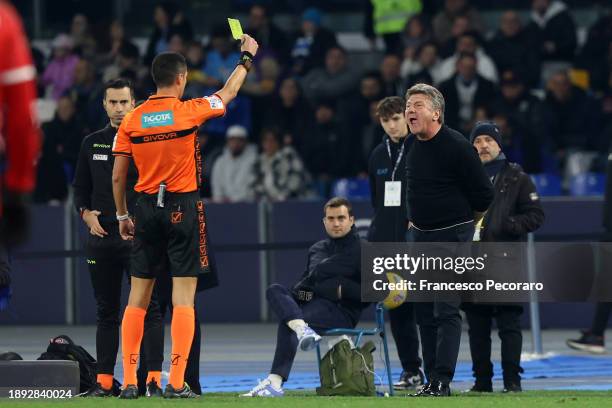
246, 60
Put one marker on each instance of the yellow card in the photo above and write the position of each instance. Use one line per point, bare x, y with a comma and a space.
235, 27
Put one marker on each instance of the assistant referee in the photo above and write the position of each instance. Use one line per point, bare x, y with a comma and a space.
160, 135
108, 256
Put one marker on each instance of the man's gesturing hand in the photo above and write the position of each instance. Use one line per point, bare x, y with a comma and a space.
126, 229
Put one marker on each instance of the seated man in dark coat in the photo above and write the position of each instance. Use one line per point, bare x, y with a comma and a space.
327, 296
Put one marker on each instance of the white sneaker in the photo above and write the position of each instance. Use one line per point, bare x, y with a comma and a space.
308, 339
264, 389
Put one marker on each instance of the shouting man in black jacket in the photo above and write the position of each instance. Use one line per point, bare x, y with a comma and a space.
327, 296
447, 191
387, 173
514, 212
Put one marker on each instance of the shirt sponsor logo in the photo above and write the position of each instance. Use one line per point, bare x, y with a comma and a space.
215, 102
154, 119
381, 172
161, 136
103, 146
100, 157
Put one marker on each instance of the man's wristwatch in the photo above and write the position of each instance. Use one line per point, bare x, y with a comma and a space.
246, 60
123, 217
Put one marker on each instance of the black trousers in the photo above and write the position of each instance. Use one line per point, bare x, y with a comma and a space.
404, 330
600, 320
163, 292
108, 261
508, 320
439, 321
319, 313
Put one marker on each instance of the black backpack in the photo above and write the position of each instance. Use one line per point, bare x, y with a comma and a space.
63, 348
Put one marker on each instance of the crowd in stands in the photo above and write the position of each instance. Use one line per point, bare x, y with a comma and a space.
306, 115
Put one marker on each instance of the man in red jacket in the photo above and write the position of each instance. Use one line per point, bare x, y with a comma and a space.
19, 138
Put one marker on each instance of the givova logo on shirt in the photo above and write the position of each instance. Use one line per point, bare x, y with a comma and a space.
153, 119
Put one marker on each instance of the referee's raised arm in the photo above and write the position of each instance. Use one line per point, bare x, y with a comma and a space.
248, 49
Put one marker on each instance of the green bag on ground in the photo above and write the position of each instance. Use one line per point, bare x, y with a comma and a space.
348, 371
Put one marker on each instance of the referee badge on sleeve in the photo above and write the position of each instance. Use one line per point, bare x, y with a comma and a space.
214, 101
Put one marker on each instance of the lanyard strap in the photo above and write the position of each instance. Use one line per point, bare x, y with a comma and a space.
399, 156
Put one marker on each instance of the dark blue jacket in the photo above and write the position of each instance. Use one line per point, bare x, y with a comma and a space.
334, 263
389, 224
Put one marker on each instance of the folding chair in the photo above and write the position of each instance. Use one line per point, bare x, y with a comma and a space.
358, 333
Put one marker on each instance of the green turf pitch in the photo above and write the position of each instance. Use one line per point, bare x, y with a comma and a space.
298, 400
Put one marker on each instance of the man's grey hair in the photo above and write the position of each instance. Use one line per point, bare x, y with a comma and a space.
435, 96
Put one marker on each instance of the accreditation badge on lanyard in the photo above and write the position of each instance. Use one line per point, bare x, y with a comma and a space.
393, 189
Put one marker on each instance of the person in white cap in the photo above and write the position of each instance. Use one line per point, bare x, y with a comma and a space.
232, 173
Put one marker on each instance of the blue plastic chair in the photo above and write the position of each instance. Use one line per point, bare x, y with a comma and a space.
588, 184
547, 184
358, 333
351, 188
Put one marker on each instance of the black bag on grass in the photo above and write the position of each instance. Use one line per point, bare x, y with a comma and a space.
63, 348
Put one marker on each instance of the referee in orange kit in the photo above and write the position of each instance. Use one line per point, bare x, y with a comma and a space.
160, 135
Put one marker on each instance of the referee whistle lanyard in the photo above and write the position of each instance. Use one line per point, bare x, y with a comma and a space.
399, 156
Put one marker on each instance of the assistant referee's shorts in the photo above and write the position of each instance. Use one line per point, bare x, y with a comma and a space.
177, 230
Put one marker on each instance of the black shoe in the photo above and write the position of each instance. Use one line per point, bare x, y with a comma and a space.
184, 392
434, 389
423, 392
588, 342
439, 389
97, 391
154, 390
129, 392
512, 387
481, 387
409, 380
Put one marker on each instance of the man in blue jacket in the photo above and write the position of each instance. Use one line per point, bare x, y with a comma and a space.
327, 296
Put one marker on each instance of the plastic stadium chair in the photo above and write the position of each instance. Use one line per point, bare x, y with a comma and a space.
351, 188
358, 333
547, 184
588, 184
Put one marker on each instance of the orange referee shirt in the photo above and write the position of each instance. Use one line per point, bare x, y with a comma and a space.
160, 135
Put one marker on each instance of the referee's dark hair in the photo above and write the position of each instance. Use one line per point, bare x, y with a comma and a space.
119, 83
165, 68
338, 202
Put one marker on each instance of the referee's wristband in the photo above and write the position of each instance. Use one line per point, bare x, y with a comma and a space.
123, 217
246, 60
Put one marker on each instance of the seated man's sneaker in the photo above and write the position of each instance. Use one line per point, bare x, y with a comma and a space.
185, 392
264, 389
588, 342
308, 339
409, 380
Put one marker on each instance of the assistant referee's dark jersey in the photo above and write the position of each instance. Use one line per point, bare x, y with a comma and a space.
93, 186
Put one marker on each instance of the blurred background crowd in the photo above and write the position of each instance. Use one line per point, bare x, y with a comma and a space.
304, 124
